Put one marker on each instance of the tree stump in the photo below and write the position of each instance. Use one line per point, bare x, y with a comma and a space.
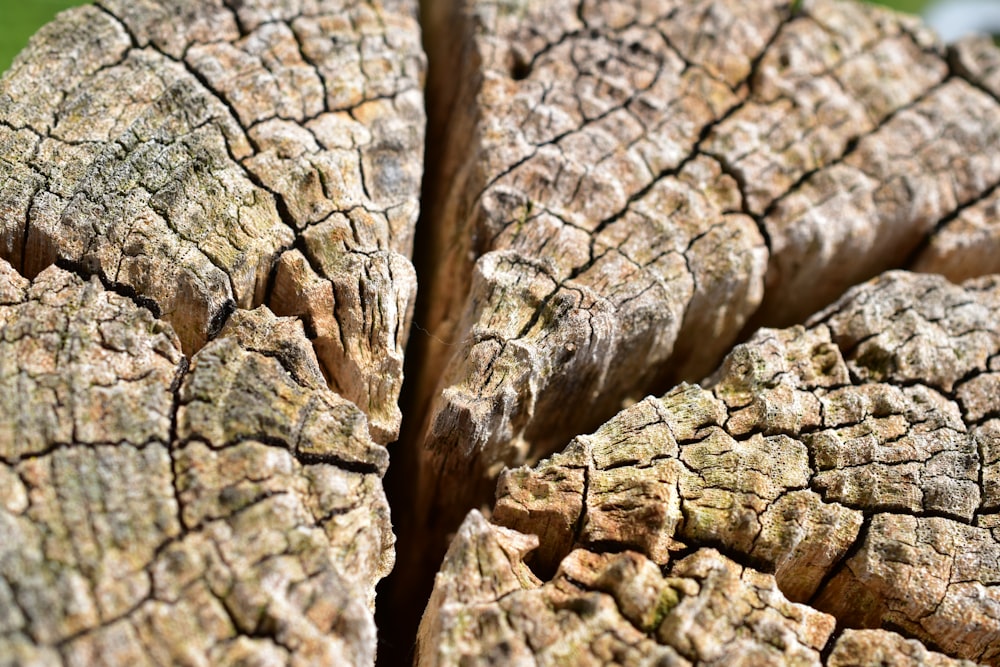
705, 352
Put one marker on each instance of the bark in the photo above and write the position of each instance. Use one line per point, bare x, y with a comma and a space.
208, 242
850, 460
628, 186
156, 512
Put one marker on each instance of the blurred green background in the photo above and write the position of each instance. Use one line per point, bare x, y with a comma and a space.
19, 19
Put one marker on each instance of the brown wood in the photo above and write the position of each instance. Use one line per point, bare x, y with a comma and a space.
209, 253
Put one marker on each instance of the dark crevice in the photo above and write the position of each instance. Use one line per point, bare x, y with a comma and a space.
581, 520
220, 317
521, 68
400, 597
135, 42
348, 465
831, 644
268, 295
175, 387
127, 291
959, 71
836, 568
27, 233
175, 391
73, 443
281, 357
63, 642
305, 458
742, 559
927, 642
741, 185
888, 508
262, 438
401, 485
234, 7
946, 220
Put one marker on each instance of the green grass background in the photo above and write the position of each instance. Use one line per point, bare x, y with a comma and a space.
19, 19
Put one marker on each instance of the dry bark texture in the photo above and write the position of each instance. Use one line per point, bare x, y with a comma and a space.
629, 185
186, 477
852, 460
206, 158
160, 512
207, 219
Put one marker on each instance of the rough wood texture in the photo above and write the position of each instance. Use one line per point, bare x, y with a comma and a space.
159, 513
851, 459
207, 221
621, 608
628, 185
207, 158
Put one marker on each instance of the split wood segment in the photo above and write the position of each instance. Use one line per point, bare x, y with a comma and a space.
160, 512
181, 482
619, 608
206, 159
207, 219
846, 471
629, 185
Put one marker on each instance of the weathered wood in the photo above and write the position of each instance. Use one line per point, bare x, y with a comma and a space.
200, 159
878, 647
627, 186
618, 608
851, 459
155, 512
207, 227
208, 158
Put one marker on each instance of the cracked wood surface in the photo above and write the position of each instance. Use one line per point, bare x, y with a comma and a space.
852, 460
209, 158
621, 608
156, 511
207, 221
628, 186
